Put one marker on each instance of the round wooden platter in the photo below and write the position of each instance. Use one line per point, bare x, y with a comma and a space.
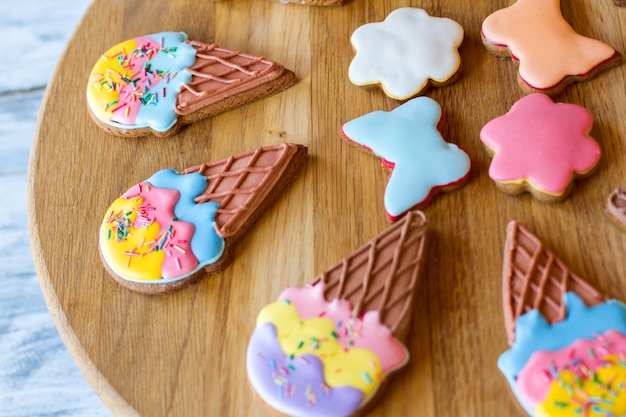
184, 354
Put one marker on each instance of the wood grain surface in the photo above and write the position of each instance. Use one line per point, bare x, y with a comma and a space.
184, 354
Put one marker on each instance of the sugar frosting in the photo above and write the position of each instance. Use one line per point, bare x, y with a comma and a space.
134, 84
542, 143
304, 343
156, 232
409, 142
546, 46
405, 51
550, 368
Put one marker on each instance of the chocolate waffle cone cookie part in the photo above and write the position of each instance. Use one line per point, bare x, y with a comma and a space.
534, 278
382, 274
242, 184
220, 74
328, 348
616, 207
160, 82
172, 229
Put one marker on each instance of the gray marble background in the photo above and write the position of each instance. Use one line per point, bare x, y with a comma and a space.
37, 375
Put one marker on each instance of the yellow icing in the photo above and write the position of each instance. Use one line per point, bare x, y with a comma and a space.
356, 367
106, 72
600, 394
146, 266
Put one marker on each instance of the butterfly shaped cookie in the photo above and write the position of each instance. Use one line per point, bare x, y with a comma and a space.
408, 141
550, 54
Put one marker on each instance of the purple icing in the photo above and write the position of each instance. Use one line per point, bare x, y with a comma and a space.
295, 386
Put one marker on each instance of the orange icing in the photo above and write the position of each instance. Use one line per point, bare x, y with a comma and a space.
547, 47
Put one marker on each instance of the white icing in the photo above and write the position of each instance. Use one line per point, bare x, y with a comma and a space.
404, 51
408, 138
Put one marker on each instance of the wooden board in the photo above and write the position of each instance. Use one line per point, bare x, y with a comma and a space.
183, 354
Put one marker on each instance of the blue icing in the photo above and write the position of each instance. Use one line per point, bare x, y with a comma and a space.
533, 333
206, 244
162, 116
409, 138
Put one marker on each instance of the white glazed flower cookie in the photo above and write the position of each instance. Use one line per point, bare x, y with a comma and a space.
406, 52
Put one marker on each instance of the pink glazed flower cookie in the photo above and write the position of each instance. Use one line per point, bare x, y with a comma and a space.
406, 52
540, 146
408, 141
550, 54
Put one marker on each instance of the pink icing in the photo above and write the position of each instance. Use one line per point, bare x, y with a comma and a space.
158, 206
365, 332
128, 97
543, 142
582, 357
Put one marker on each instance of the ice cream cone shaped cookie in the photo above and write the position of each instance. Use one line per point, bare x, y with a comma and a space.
161, 82
326, 349
568, 342
168, 231
616, 207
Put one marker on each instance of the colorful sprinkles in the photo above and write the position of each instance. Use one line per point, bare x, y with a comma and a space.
290, 362
578, 381
133, 85
121, 226
284, 388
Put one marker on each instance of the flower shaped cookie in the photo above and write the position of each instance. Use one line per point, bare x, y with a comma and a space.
541, 146
549, 52
408, 141
405, 52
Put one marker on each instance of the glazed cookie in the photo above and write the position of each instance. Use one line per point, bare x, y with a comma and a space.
540, 147
408, 141
158, 83
168, 231
406, 52
550, 54
327, 349
616, 207
568, 342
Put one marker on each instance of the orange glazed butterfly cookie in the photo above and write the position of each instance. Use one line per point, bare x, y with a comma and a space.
550, 54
